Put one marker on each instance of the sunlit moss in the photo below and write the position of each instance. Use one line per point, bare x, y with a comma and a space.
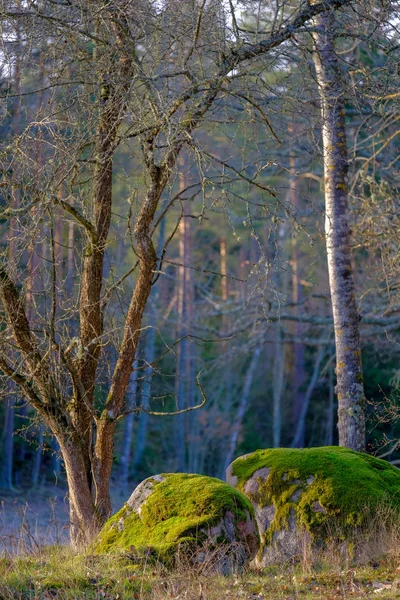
177, 511
347, 486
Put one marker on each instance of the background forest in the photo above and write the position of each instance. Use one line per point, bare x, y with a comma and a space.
239, 312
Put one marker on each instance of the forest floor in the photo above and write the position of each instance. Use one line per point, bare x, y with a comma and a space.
36, 563
59, 574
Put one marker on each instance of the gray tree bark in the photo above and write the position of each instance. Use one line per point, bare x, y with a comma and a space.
350, 389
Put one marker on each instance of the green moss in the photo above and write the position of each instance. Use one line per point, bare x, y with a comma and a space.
346, 484
176, 511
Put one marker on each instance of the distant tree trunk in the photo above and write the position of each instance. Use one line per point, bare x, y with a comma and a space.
126, 449
192, 424
19, 453
69, 280
278, 375
141, 436
299, 433
183, 387
55, 458
224, 269
6, 476
299, 370
227, 375
35, 476
7, 442
350, 389
242, 406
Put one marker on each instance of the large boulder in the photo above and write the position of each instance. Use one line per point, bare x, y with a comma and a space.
312, 495
193, 516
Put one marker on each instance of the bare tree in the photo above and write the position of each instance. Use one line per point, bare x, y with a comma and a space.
123, 90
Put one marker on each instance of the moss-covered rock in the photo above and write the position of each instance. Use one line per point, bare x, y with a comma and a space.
312, 493
201, 516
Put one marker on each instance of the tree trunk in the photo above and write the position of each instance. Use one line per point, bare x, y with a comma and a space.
182, 329
7, 442
278, 376
37, 463
85, 520
243, 405
6, 474
299, 369
145, 396
300, 429
127, 436
55, 458
350, 389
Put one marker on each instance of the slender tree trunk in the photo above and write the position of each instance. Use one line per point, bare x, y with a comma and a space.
350, 389
38, 457
19, 452
299, 433
7, 442
227, 378
192, 425
69, 280
243, 405
6, 476
55, 458
278, 376
141, 437
127, 436
299, 370
182, 358
149, 358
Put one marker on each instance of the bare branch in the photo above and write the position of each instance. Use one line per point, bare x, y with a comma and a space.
183, 410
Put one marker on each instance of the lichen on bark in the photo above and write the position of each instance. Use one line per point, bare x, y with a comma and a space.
350, 389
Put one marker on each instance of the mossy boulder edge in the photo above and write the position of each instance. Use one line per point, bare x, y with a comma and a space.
179, 512
313, 492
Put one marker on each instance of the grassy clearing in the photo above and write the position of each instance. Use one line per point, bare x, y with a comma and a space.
367, 568
58, 573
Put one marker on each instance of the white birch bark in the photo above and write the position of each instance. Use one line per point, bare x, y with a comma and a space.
350, 389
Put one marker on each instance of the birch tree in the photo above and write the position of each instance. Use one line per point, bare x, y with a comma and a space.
349, 389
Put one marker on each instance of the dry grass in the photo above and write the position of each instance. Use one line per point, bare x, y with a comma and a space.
56, 572
366, 568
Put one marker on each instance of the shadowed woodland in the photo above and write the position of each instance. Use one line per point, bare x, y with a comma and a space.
199, 256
